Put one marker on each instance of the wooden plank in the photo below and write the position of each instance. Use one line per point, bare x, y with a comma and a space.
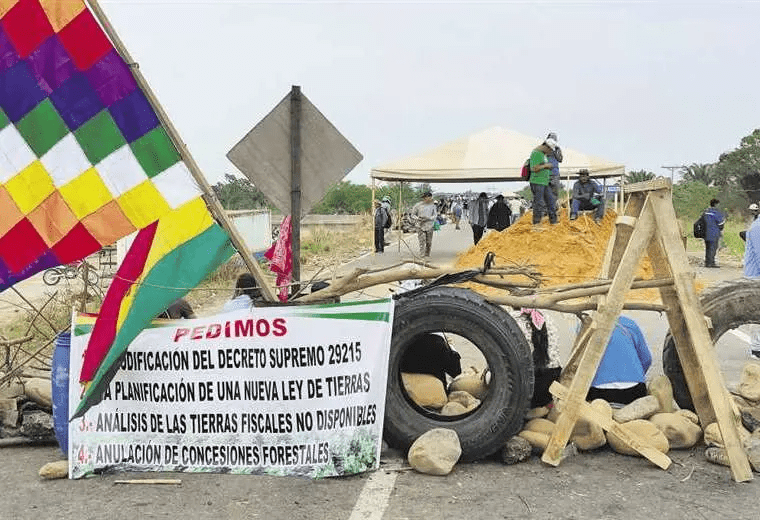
686, 354
628, 437
655, 184
602, 327
700, 337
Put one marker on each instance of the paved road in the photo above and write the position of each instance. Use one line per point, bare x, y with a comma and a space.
601, 485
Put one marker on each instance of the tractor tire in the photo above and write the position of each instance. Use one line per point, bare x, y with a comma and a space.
500, 415
728, 305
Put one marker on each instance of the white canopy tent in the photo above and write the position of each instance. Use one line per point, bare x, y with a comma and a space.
495, 154
492, 155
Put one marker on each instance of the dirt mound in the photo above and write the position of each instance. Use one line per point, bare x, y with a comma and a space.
568, 252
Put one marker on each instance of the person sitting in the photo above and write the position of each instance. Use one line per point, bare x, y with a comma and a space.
587, 195
499, 215
621, 376
247, 293
179, 309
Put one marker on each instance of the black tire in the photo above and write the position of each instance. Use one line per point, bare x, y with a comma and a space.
489, 327
728, 305
51, 276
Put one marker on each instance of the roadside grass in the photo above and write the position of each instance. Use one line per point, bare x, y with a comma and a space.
734, 245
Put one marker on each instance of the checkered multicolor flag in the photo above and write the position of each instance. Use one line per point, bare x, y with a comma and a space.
84, 160
83, 157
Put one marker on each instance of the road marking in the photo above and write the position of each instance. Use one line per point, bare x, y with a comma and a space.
374, 497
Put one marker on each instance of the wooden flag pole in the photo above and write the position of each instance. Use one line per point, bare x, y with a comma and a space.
211, 200
295, 182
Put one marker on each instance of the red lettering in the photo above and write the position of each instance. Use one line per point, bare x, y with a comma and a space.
243, 328
262, 328
214, 331
179, 333
197, 333
279, 327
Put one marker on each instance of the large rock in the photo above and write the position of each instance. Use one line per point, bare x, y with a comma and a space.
588, 435
11, 390
37, 425
465, 399
538, 440
749, 382
453, 408
644, 429
9, 413
425, 390
40, 391
661, 388
516, 449
435, 452
536, 413
472, 382
641, 408
679, 430
53, 470
752, 448
688, 414
714, 438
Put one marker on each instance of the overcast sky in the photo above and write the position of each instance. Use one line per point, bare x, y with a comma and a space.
645, 84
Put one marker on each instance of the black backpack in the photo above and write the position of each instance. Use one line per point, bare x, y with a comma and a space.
700, 226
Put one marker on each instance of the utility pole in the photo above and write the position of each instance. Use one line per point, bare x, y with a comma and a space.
672, 169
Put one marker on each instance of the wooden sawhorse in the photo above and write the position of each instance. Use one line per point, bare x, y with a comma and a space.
649, 225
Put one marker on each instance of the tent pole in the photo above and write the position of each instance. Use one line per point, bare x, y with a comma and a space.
398, 212
372, 216
214, 206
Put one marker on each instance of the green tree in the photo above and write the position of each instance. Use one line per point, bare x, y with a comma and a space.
239, 193
638, 176
345, 198
698, 172
691, 198
739, 169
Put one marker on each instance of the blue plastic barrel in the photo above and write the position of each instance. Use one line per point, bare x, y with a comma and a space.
61, 390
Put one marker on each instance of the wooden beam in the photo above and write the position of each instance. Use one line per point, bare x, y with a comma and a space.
628, 437
701, 343
210, 197
295, 182
601, 331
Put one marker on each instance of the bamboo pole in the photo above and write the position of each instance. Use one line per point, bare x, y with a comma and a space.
211, 200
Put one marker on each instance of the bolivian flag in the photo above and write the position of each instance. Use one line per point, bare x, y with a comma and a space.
167, 258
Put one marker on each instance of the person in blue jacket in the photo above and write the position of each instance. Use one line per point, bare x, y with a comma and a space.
621, 376
715, 221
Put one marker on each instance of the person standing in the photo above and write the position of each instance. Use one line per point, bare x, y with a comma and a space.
540, 169
456, 211
752, 267
587, 194
381, 220
424, 214
714, 221
555, 157
499, 215
386, 203
479, 217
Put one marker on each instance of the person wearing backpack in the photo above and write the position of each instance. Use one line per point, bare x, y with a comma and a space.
540, 170
714, 221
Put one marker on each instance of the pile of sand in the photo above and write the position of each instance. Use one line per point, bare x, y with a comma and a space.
568, 252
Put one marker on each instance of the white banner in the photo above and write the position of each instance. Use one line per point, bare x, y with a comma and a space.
294, 390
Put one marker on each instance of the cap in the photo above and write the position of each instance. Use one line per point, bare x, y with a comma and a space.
552, 135
551, 143
583, 172
754, 207
386, 199
426, 194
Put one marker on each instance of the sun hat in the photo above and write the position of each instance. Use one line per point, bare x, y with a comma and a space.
551, 143
386, 199
754, 207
